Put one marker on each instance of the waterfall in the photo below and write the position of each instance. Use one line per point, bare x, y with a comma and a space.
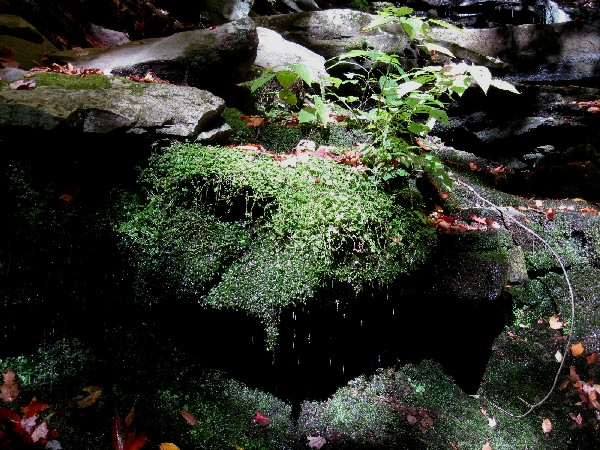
553, 13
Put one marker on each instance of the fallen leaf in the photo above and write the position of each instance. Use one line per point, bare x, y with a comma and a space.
84, 401
492, 422
125, 439
260, 419
577, 418
168, 446
9, 391
555, 322
472, 166
316, 441
40, 432
558, 355
486, 446
577, 349
411, 419
591, 358
189, 417
34, 408
253, 121
20, 85
546, 426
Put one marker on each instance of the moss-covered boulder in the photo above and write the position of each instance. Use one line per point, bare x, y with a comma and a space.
248, 229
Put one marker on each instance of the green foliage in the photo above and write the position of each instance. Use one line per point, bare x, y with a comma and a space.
241, 230
396, 105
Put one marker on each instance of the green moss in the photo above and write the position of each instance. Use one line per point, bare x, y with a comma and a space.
241, 230
93, 81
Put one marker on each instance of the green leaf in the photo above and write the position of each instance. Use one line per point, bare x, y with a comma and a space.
418, 128
407, 87
288, 96
307, 115
441, 23
482, 76
303, 71
504, 85
381, 19
286, 78
413, 26
438, 48
266, 76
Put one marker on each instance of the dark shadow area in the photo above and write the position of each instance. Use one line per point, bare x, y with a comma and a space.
64, 277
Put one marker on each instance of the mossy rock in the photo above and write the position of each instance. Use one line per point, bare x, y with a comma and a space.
239, 229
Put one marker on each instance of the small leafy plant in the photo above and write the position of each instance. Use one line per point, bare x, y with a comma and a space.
397, 106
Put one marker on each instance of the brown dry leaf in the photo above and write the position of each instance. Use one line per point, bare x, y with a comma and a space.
555, 322
9, 391
83, 401
591, 358
168, 446
546, 426
486, 446
189, 417
577, 349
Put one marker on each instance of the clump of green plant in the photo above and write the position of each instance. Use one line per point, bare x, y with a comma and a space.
396, 105
241, 229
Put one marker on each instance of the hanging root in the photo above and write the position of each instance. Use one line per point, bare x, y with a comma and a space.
571, 294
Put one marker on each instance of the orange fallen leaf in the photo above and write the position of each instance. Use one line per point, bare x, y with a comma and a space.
168, 446
546, 426
577, 349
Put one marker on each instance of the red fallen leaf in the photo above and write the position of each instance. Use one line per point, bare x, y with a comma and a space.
125, 439
411, 419
512, 335
453, 445
472, 166
34, 408
21, 85
550, 213
260, 419
486, 446
10, 424
189, 417
212, 28
9, 391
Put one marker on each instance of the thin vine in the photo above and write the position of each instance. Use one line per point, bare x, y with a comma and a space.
571, 294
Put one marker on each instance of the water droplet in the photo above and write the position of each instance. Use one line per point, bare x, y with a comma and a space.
329, 362
309, 338
337, 305
361, 322
343, 369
